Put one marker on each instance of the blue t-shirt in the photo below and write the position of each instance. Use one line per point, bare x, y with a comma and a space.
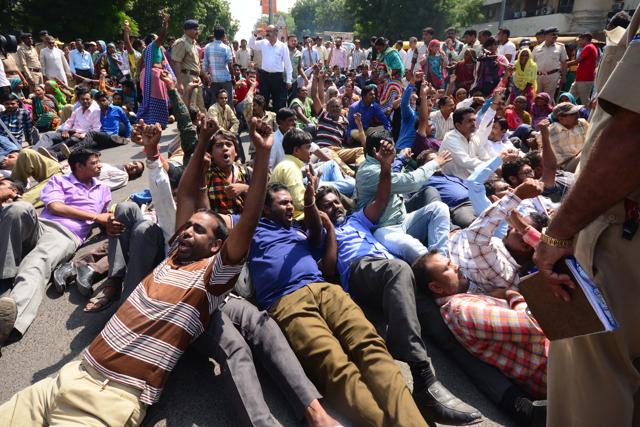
452, 189
280, 261
356, 241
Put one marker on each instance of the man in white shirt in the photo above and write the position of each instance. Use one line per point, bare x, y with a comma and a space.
442, 120
427, 36
470, 39
506, 47
322, 51
358, 56
54, 64
339, 56
275, 62
243, 56
468, 145
285, 120
408, 57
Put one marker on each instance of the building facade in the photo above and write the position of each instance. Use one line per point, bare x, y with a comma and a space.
526, 17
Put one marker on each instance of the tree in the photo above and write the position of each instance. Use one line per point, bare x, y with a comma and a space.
209, 13
466, 12
72, 18
288, 19
313, 16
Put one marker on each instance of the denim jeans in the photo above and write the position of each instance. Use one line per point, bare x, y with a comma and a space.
332, 175
422, 230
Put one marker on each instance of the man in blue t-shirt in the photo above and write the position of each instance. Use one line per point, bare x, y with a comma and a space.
374, 277
339, 349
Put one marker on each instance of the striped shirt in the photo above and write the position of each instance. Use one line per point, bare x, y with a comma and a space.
167, 311
330, 131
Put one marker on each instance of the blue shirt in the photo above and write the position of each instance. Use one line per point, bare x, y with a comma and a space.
111, 119
80, 61
280, 261
356, 241
305, 57
407, 135
216, 57
374, 111
452, 189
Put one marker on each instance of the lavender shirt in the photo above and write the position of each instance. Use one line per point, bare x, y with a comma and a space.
68, 190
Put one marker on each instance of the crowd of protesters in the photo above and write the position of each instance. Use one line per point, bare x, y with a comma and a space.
416, 179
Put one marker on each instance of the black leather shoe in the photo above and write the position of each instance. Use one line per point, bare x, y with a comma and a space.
438, 405
84, 280
62, 275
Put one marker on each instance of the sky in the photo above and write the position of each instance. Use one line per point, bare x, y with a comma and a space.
247, 13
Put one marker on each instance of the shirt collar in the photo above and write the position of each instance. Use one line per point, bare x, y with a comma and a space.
72, 179
295, 160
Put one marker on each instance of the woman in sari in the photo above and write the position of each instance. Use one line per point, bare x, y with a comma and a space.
491, 68
541, 108
525, 77
45, 109
466, 70
435, 65
155, 97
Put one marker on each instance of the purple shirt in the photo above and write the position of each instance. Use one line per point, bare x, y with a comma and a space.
425, 143
68, 190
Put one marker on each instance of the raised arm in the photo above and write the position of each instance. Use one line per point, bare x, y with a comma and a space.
191, 191
426, 105
187, 130
330, 257
163, 30
126, 35
311, 213
385, 156
315, 92
549, 161
237, 244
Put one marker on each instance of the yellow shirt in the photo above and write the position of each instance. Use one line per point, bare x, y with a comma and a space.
289, 172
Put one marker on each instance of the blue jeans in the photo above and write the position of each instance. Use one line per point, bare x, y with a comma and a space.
332, 175
421, 231
7, 146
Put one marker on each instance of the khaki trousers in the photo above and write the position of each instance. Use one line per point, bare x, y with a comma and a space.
582, 91
595, 380
549, 84
195, 100
344, 356
77, 396
32, 164
37, 79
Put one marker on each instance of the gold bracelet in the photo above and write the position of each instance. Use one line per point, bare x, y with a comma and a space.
556, 243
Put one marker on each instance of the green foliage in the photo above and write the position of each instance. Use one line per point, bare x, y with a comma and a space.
464, 13
103, 19
313, 16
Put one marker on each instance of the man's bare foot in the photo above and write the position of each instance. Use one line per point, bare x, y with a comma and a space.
317, 417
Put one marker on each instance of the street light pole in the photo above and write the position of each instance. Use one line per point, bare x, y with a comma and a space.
270, 12
503, 6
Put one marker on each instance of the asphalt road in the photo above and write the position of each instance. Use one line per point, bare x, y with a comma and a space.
196, 392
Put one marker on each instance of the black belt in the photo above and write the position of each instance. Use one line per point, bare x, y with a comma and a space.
35, 70
193, 73
269, 72
548, 73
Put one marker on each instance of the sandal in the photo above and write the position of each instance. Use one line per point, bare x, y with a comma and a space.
107, 295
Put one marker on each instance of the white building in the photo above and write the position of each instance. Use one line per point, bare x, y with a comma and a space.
526, 17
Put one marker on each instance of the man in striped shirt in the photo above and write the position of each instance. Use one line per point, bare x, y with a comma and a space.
126, 366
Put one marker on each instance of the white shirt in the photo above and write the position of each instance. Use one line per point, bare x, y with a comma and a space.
441, 124
508, 49
113, 177
277, 151
163, 202
497, 147
54, 64
358, 57
83, 121
466, 155
4, 81
275, 58
243, 57
406, 60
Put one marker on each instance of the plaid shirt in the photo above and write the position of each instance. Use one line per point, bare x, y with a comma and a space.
216, 57
483, 258
19, 123
502, 334
218, 181
567, 143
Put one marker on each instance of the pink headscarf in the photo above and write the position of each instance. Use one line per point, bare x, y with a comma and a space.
437, 45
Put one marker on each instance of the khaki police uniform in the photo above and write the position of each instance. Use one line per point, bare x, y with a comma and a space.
29, 64
595, 380
549, 60
185, 51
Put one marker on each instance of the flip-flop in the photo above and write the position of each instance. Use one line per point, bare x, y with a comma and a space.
102, 301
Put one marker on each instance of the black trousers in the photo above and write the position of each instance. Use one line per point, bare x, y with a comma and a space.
273, 88
84, 73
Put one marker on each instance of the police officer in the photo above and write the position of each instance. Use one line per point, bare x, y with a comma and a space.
186, 59
594, 380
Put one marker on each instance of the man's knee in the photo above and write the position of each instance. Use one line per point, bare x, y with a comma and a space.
439, 209
126, 212
18, 211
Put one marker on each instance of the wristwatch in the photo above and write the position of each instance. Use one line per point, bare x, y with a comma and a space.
556, 243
